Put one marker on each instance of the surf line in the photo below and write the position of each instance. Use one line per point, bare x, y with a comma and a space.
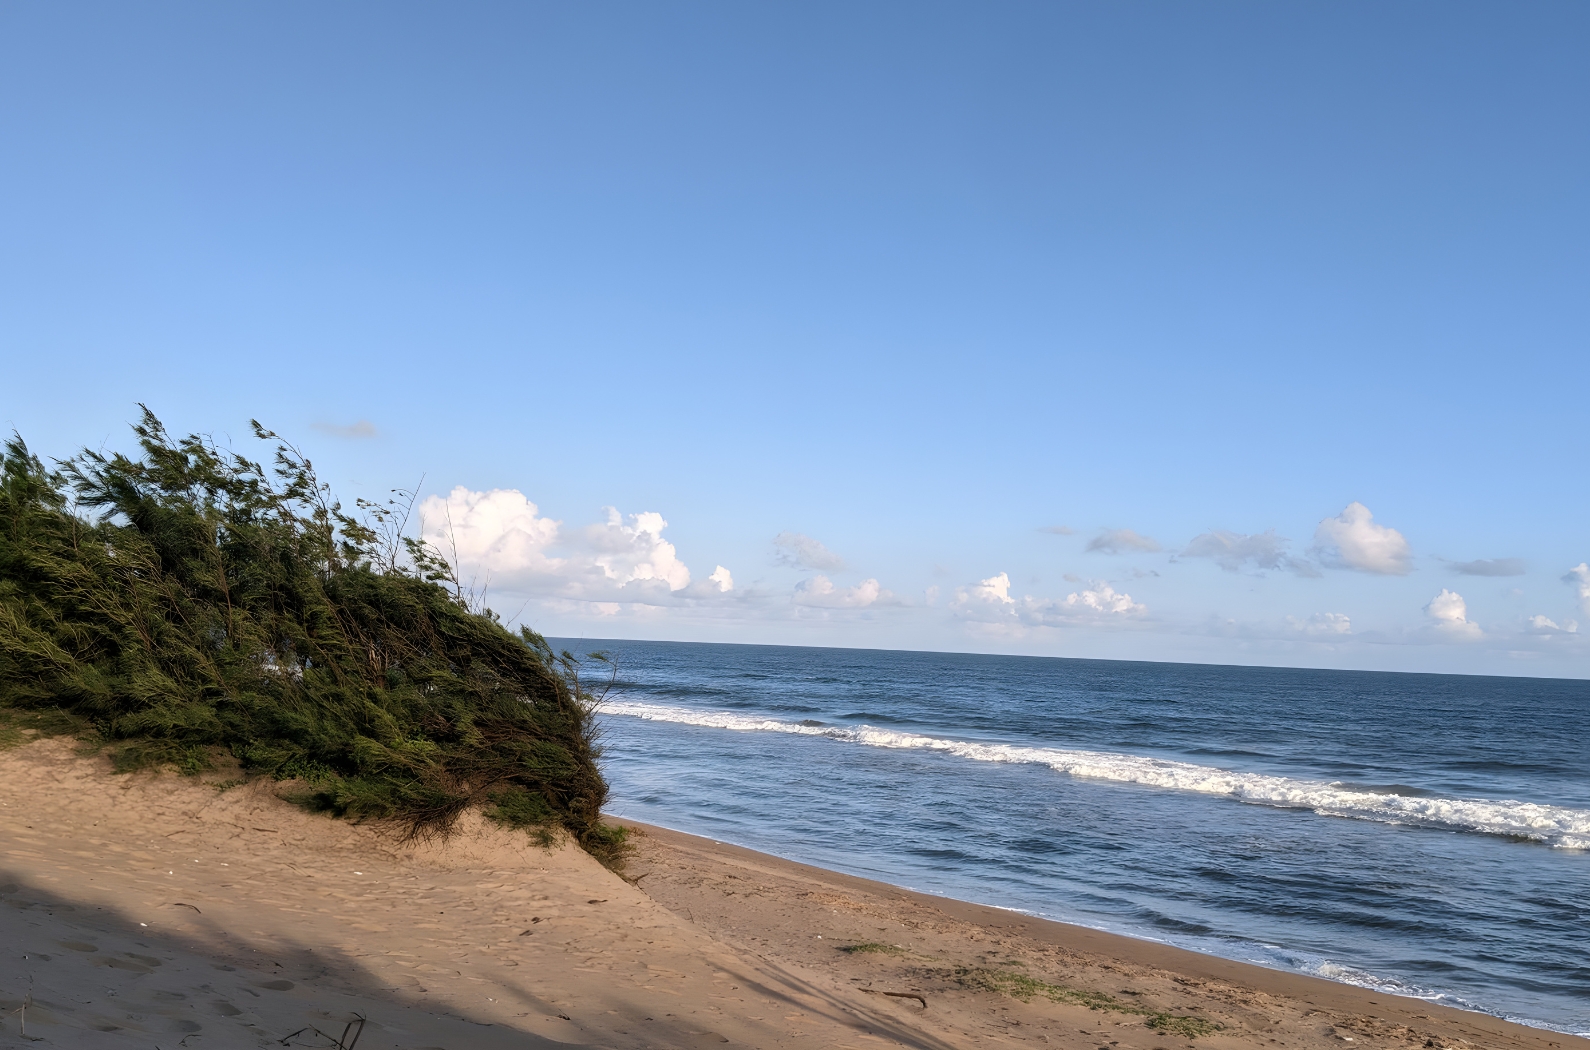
1559, 826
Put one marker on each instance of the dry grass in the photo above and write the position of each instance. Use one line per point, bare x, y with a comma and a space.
1020, 986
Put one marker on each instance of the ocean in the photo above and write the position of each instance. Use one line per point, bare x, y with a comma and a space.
1424, 835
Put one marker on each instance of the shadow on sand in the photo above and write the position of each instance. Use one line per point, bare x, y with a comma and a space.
86, 977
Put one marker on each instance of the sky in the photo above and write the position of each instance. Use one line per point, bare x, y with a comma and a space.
1235, 333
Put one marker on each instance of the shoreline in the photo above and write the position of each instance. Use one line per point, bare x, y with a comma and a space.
1073, 931
1110, 948
153, 909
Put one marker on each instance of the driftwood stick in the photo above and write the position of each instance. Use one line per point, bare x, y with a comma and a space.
343, 1044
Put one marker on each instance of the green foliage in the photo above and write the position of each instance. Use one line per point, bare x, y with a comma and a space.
872, 948
1020, 986
189, 602
1187, 1027
609, 843
20, 727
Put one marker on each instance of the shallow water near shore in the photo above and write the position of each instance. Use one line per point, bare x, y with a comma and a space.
1427, 835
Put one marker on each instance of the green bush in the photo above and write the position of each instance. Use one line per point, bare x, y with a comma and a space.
190, 602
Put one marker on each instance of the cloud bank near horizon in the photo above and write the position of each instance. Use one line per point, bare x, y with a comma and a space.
989, 602
626, 565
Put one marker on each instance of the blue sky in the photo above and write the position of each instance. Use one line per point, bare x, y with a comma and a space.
905, 285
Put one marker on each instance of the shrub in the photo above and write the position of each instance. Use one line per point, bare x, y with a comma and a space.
189, 602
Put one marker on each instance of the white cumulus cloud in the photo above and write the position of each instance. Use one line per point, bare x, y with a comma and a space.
499, 530
635, 551
1450, 613
993, 592
990, 601
802, 552
1102, 599
1352, 540
1546, 625
501, 538
820, 592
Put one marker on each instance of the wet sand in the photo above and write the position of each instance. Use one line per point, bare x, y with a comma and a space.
154, 910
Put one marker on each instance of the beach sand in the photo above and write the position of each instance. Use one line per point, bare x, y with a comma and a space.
154, 910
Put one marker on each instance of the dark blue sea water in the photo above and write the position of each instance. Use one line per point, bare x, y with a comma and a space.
1422, 834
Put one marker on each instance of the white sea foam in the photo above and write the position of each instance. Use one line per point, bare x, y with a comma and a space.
1559, 826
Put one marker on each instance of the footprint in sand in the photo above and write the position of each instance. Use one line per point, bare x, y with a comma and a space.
278, 986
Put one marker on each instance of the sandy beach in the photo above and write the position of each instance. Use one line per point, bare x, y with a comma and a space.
153, 910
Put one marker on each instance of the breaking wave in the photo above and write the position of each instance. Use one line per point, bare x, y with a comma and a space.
1557, 826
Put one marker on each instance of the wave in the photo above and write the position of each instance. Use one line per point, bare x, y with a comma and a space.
1558, 826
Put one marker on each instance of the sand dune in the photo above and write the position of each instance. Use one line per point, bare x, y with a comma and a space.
159, 911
